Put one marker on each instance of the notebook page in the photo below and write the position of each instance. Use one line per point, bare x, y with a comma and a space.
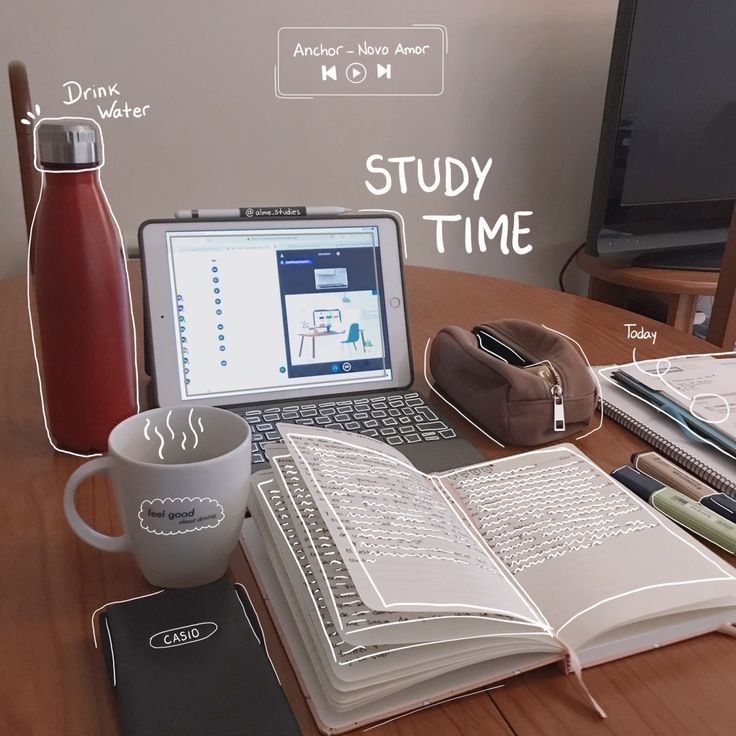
665, 427
405, 545
355, 621
582, 545
373, 666
703, 385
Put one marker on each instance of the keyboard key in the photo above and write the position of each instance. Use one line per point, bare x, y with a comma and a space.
257, 437
370, 423
448, 434
273, 436
414, 402
408, 410
253, 413
379, 405
257, 458
308, 412
290, 414
370, 432
412, 438
343, 403
395, 440
405, 420
270, 418
308, 406
322, 420
333, 426
394, 412
378, 414
342, 417
406, 430
361, 415
388, 421
431, 426
264, 427
309, 422
430, 437
428, 413
387, 431
326, 410
352, 425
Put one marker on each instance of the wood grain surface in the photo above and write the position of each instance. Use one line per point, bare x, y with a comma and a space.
52, 680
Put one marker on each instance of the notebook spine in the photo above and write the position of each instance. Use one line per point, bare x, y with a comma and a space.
670, 450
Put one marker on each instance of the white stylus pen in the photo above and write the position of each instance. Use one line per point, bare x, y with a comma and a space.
248, 212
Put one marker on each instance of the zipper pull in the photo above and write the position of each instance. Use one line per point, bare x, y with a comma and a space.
559, 416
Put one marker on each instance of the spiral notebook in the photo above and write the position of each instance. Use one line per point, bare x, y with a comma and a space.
701, 460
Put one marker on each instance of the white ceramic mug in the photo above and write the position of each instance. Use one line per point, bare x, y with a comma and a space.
181, 477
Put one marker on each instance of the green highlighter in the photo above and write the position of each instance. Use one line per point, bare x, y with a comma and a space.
677, 506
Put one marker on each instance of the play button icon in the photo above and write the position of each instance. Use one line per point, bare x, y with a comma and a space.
356, 73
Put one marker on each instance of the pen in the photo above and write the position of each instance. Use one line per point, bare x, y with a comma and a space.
668, 473
678, 507
256, 212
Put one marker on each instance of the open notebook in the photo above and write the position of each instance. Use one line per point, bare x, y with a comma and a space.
703, 459
392, 588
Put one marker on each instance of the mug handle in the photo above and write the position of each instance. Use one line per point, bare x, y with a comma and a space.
80, 527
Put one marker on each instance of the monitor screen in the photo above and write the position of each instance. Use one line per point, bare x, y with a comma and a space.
268, 309
677, 124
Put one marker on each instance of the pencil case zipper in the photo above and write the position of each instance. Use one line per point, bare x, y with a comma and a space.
556, 386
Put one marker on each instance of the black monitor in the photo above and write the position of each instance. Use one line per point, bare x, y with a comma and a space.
665, 182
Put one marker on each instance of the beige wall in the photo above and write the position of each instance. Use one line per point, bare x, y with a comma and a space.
524, 84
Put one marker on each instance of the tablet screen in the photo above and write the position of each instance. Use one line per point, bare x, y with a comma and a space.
264, 310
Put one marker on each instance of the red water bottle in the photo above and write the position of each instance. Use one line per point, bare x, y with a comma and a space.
84, 334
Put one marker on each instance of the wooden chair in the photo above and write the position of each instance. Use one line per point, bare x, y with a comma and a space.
30, 179
722, 327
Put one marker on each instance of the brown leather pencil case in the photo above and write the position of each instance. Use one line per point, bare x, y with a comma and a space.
524, 384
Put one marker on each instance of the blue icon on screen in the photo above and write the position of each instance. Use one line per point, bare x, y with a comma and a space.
181, 329
222, 348
214, 269
179, 298
187, 381
217, 290
218, 301
183, 340
223, 362
218, 311
282, 369
215, 280
181, 307
181, 318
186, 371
335, 368
186, 360
221, 337
219, 327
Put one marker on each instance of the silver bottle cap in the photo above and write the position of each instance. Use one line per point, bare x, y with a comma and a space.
67, 144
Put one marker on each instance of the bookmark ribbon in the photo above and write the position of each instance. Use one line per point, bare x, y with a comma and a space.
577, 669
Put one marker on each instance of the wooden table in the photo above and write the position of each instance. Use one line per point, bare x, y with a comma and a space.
52, 680
678, 290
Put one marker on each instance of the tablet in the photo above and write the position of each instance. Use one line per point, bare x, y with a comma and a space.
241, 312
